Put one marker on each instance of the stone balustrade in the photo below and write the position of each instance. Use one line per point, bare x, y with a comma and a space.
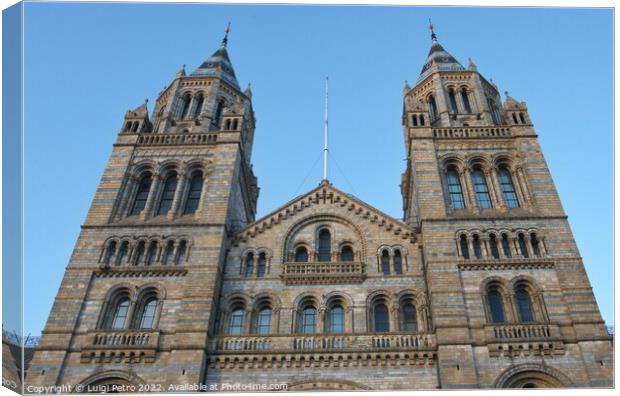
162, 139
125, 339
471, 132
323, 272
521, 331
335, 342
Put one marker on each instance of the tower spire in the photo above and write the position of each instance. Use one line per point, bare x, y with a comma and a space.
225, 39
325, 133
430, 26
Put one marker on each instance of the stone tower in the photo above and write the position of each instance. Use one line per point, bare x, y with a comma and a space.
479, 192
175, 187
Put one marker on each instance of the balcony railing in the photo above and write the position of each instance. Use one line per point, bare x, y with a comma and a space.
472, 132
521, 331
125, 339
323, 272
308, 343
162, 139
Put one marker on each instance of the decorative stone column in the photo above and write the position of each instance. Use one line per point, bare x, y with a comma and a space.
498, 190
520, 187
470, 188
178, 194
124, 201
470, 199
153, 192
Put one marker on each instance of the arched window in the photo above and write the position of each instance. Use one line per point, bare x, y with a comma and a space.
385, 262
508, 189
506, 246
235, 124
109, 253
147, 314
464, 247
235, 326
181, 253
523, 246
496, 305
217, 115
432, 108
522, 118
452, 99
493, 246
193, 196
142, 194
325, 242
123, 254
167, 258
514, 118
480, 188
336, 319
301, 254
421, 119
398, 262
199, 101
454, 189
227, 124
119, 315
185, 105
535, 244
465, 98
381, 318
151, 254
477, 247
524, 304
167, 195
308, 320
414, 120
408, 317
262, 265
263, 322
249, 265
139, 254
128, 126
346, 254
134, 128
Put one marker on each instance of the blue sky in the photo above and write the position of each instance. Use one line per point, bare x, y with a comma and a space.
86, 64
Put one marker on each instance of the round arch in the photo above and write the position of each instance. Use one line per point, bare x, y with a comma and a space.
532, 376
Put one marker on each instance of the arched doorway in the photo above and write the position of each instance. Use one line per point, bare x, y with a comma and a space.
111, 382
532, 376
325, 385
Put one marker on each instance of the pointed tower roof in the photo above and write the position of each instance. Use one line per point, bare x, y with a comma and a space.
440, 57
219, 65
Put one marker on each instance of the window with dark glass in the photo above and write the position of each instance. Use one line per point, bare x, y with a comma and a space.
181, 252
506, 245
493, 246
217, 115
496, 306
346, 254
535, 244
465, 98
123, 254
336, 319
142, 194
381, 318
523, 246
414, 120
167, 194
308, 320
481, 189
109, 253
235, 327
199, 101
408, 320
261, 269
151, 254
421, 119
139, 254
193, 196
464, 247
147, 315
477, 247
398, 262
385, 262
167, 258
325, 242
263, 325
524, 305
119, 315
454, 189
514, 118
185, 105
432, 108
301, 255
452, 100
508, 189
249, 265
522, 118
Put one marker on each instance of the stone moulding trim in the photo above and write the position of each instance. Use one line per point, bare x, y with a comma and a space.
317, 360
127, 272
511, 372
326, 384
511, 350
503, 264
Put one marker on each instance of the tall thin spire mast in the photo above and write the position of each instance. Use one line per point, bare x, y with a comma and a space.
325, 142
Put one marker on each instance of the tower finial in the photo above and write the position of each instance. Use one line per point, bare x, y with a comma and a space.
430, 26
325, 131
225, 40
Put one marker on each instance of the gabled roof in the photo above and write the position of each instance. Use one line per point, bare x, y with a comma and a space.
442, 58
139, 112
218, 65
325, 193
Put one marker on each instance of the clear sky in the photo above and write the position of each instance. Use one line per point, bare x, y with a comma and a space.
86, 64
